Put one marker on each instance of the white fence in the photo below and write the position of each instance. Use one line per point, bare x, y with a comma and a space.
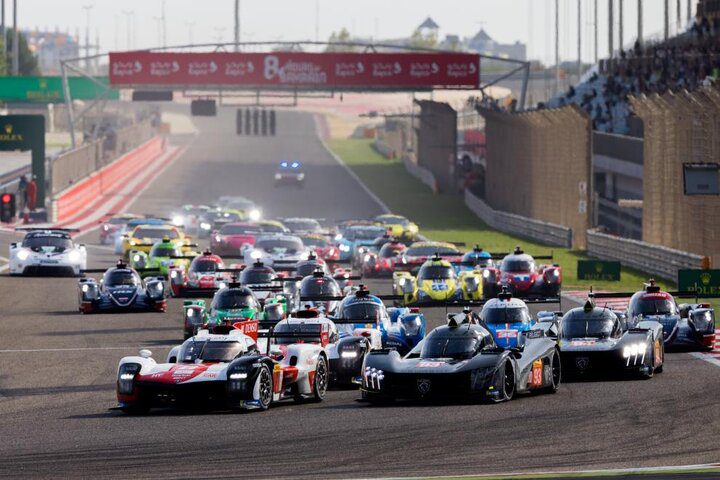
535, 230
656, 260
422, 174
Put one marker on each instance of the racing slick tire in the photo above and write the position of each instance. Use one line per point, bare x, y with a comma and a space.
265, 387
556, 369
507, 381
321, 379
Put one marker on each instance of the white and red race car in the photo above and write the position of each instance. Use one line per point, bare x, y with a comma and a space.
226, 371
205, 275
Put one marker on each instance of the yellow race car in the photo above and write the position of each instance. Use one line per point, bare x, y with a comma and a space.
271, 226
437, 282
398, 226
143, 237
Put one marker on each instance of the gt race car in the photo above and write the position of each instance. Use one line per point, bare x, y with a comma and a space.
398, 226
114, 227
47, 252
190, 217
597, 341
234, 238
302, 225
124, 230
437, 283
523, 278
163, 257
244, 206
290, 173
121, 290
687, 326
224, 371
462, 360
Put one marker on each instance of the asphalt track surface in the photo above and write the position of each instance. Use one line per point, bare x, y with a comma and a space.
57, 372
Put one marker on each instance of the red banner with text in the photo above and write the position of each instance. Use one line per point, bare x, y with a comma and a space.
327, 71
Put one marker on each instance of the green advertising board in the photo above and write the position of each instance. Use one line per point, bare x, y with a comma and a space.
50, 89
705, 282
598, 270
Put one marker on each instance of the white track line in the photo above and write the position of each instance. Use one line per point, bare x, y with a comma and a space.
53, 350
707, 357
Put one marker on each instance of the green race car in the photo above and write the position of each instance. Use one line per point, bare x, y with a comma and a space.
232, 304
163, 256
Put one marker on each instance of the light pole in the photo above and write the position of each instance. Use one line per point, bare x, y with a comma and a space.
611, 33
640, 22
128, 19
579, 38
164, 23
557, 46
189, 26
87, 9
16, 42
236, 32
219, 31
3, 35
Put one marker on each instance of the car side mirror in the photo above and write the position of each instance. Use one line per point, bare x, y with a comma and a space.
516, 352
276, 353
145, 353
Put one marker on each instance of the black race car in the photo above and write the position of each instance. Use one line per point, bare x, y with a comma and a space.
462, 359
598, 341
121, 290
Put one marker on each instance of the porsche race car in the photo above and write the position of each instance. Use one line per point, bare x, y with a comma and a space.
47, 252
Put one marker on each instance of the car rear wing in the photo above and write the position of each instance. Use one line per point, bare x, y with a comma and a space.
103, 270
339, 298
47, 229
199, 292
270, 334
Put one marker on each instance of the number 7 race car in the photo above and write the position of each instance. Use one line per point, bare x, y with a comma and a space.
121, 290
224, 371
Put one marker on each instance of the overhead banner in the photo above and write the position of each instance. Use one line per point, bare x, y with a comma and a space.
324, 71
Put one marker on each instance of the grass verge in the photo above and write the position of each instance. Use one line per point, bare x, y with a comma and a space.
445, 217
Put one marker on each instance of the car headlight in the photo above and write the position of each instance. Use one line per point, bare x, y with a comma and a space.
74, 256
402, 281
126, 377
278, 176
238, 376
236, 380
366, 258
413, 228
136, 258
23, 254
174, 274
178, 220
132, 242
256, 254
633, 350
221, 285
373, 378
205, 226
344, 248
255, 214
556, 273
190, 313
486, 273
159, 287
301, 176
338, 237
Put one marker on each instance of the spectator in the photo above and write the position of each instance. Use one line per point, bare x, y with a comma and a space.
22, 189
31, 194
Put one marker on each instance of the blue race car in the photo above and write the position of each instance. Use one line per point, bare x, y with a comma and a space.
291, 173
355, 240
477, 258
506, 317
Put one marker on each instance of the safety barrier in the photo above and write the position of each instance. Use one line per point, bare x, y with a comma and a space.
535, 230
656, 260
106, 181
422, 174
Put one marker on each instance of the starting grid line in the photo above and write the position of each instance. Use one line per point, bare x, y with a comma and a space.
712, 357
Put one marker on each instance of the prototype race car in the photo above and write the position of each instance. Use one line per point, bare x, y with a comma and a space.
114, 227
124, 230
594, 340
355, 240
47, 252
382, 263
462, 360
215, 219
121, 290
290, 173
163, 257
688, 326
144, 237
437, 283
322, 247
276, 248
476, 259
229, 371
506, 318
419, 252
321, 291
300, 225
190, 217
247, 209
398, 226
234, 238
523, 278
205, 275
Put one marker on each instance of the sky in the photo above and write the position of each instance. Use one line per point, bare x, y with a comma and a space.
528, 21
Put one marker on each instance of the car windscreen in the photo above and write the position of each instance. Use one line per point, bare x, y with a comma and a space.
302, 225
369, 233
209, 351
271, 228
240, 204
280, 246
239, 230
319, 286
391, 220
518, 266
144, 232
436, 272
256, 276
57, 242
204, 266
299, 328
233, 299
482, 262
587, 326
315, 242
164, 251
653, 306
431, 250
116, 278
363, 311
307, 268
455, 346
504, 315
390, 250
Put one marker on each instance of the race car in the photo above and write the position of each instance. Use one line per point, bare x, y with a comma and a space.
189, 217
162, 257
143, 237
290, 173
382, 263
437, 283
355, 239
266, 283
688, 326
124, 230
523, 278
322, 247
121, 290
596, 341
245, 207
215, 219
233, 303
271, 226
46, 252
224, 371
300, 225
234, 238
205, 275
419, 252
276, 248
321, 291
476, 259
462, 360
114, 226
398, 226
